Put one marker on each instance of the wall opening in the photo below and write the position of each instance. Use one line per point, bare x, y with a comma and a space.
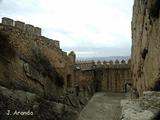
69, 83
154, 10
127, 87
157, 86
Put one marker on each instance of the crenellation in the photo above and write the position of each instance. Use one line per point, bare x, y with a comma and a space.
110, 62
129, 62
7, 21
56, 43
37, 31
46, 42
110, 76
123, 62
99, 62
117, 62
65, 53
29, 32
29, 28
102, 64
20, 25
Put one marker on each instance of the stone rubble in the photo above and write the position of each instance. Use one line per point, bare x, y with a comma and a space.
144, 108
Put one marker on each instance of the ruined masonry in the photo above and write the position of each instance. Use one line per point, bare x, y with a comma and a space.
30, 29
36, 73
107, 76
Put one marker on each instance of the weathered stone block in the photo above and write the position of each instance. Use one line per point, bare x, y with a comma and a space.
56, 43
37, 31
29, 28
20, 25
7, 21
117, 62
123, 62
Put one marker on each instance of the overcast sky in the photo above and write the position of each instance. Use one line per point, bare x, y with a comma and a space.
89, 27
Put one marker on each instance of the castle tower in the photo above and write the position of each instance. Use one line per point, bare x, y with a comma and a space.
72, 57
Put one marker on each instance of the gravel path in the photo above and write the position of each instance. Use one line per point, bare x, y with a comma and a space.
103, 106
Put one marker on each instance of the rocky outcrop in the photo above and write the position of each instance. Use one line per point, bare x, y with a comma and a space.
21, 105
145, 108
146, 45
145, 63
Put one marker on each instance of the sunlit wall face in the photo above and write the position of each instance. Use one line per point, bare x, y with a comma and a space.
90, 27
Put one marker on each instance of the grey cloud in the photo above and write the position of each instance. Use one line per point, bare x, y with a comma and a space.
18, 8
0, 2
99, 52
25, 9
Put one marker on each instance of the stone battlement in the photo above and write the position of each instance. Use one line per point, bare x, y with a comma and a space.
30, 29
22, 26
87, 65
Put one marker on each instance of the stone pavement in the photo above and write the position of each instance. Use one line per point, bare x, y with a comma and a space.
103, 106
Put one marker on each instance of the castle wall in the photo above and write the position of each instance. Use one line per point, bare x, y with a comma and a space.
37, 31
106, 76
19, 24
114, 80
31, 62
7, 21
86, 82
32, 31
91, 76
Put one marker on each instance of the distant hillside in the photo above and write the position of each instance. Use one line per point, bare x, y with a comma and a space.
104, 58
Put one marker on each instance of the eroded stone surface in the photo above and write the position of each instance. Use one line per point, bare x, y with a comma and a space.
146, 45
145, 108
38, 107
34, 70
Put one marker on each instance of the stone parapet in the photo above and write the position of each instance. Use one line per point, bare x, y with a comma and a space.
29, 28
37, 31
84, 65
22, 26
48, 42
7, 21
30, 31
56, 43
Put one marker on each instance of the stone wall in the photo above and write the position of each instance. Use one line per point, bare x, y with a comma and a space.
146, 45
87, 65
31, 30
34, 75
21, 25
32, 62
106, 76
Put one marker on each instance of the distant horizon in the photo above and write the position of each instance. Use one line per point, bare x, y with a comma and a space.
126, 58
104, 56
